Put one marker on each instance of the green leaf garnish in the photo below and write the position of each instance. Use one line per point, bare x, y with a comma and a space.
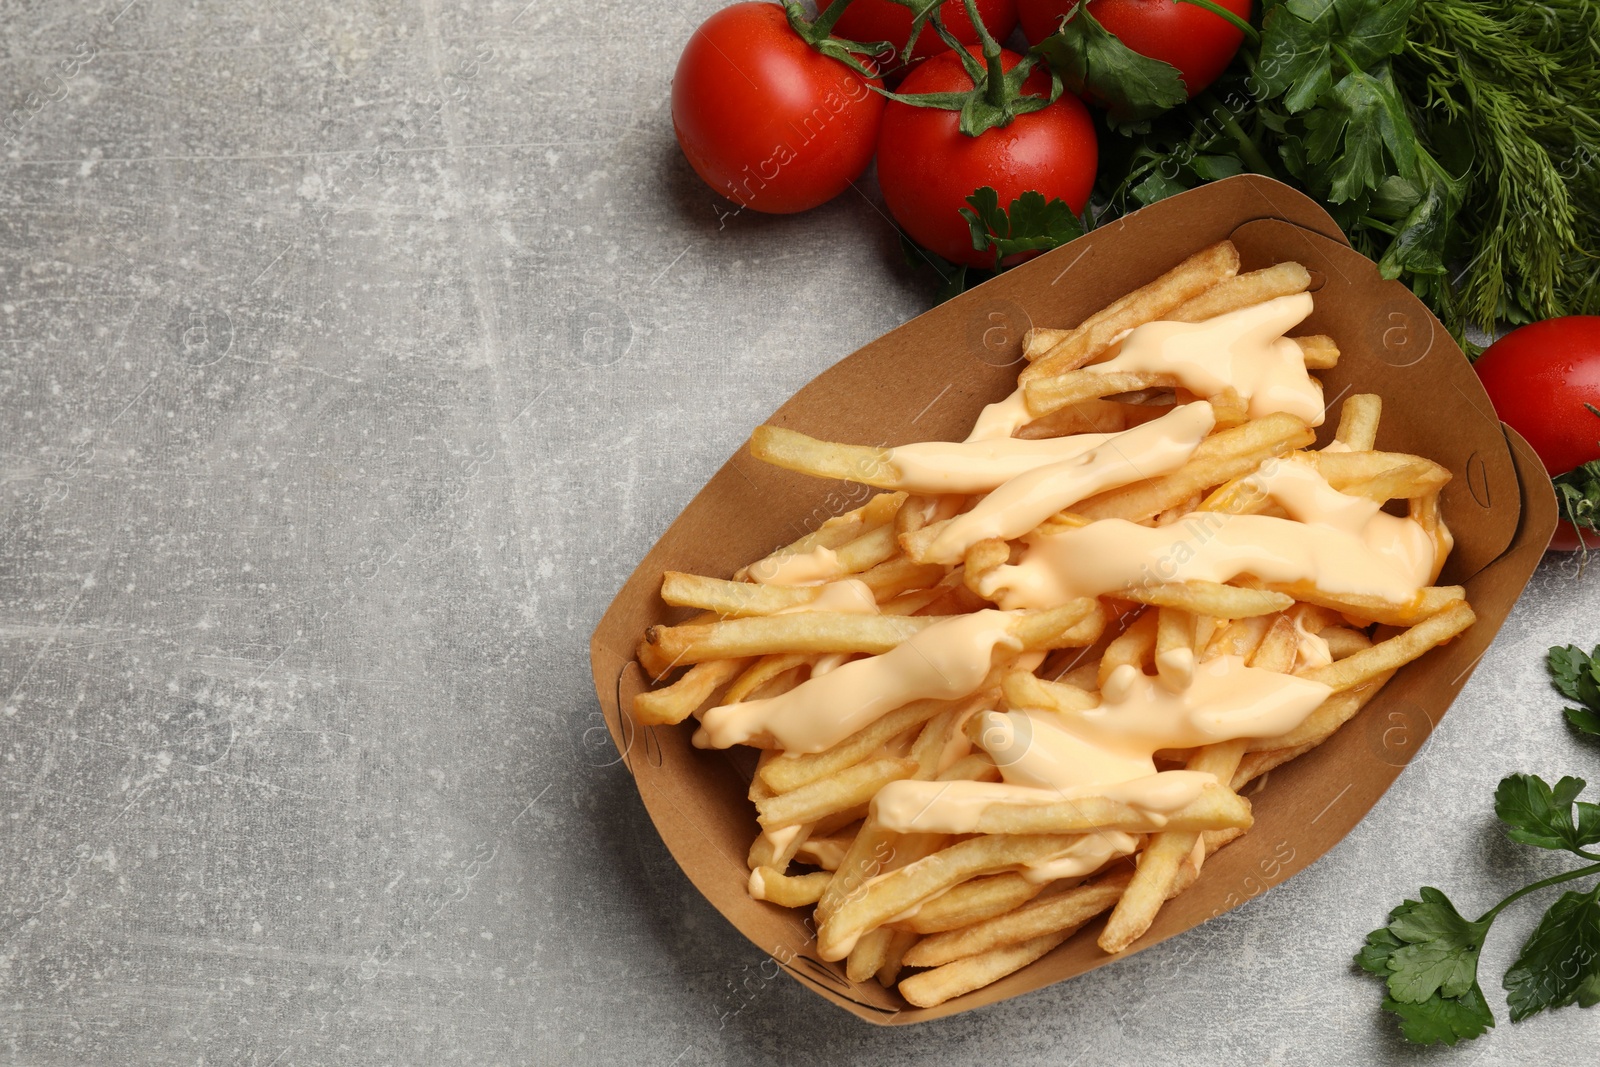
1031, 224
1577, 675
1560, 962
1547, 817
1091, 59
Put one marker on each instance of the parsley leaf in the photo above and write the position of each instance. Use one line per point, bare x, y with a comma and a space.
1578, 492
1428, 955
1091, 59
1547, 817
1577, 675
1560, 962
1438, 1020
1031, 225
1302, 39
1440, 950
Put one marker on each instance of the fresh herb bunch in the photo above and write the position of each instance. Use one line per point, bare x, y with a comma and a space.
1427, 953
1456, 142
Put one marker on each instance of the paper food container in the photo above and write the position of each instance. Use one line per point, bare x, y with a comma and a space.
927, 380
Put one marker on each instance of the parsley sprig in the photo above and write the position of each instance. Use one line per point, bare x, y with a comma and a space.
1427, 953
1576, 674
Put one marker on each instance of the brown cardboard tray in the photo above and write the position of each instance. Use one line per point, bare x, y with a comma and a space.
927, 379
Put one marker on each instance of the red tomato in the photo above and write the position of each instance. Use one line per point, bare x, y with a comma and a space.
884, 20
766, 120
927, 167
1198, 42
1539, 377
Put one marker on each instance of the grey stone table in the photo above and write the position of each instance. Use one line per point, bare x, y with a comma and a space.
353, 354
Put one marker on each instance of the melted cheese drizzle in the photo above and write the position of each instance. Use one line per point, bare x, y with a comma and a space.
1107, 750
978, 466
1244, 350
1023, 502
1342, 543
948, 660
797, 568
1003, 418
850, 596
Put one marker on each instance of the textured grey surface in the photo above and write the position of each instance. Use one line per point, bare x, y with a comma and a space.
351, 355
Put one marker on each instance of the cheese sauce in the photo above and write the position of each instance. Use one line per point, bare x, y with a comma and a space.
1023, 502
948, 660
1342, 543
1244, 350
1108, 750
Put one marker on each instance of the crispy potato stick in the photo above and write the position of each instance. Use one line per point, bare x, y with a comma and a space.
733, 598
736, 599
1358, 422
1214, 809
803, 632
874, 851
1425, 510
895, 960
834, 532
1397, 651
928, 750
970, 902
1277, 649
982, 558
823, 459
879, 545
1242, 291
1344, 469
788, 772
676, 702
1163, 855
1404, 482
839, 821
1209, 598
1221, 456
1432, 600
930, 988
899, 891
1076, 623
776, 849
1148, 303
760, 673
824, 852
869, 955
1256, 764
973, 767
788, 890
1046, 395
1174, 656
1319, 351
1041, 339
849, 787
1023, 689
1063, 912
1343, 641
1240, 637
1135, 646
1329, 716
1091, 416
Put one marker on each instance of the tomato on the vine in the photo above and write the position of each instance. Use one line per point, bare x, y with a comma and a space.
1198, 42
927, 167
885, 20
769, 122
1540, 378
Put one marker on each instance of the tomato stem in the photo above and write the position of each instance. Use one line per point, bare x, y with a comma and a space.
1223, 13
995, 90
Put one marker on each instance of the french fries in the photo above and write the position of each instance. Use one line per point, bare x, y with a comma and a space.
935, 847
